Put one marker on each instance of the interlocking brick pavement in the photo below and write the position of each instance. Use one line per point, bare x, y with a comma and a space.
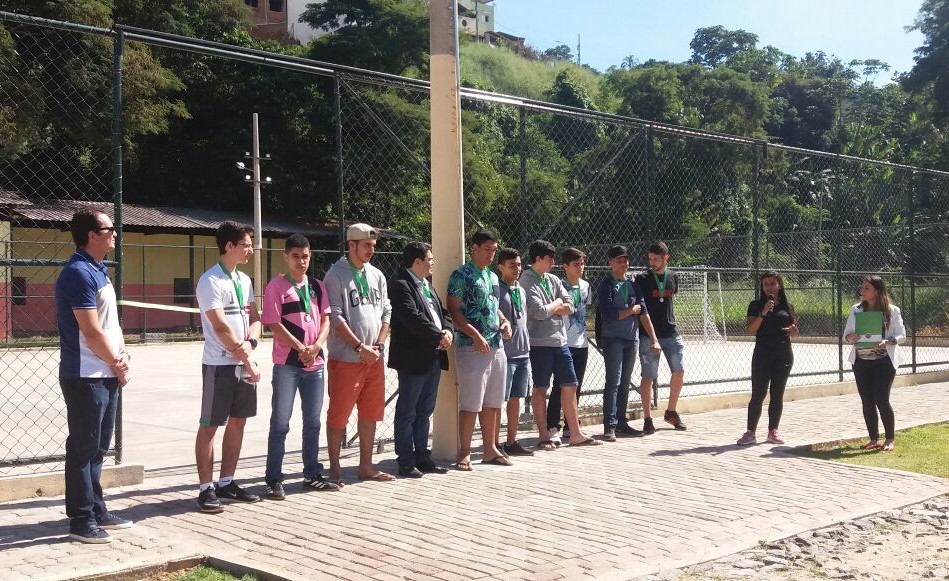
616, 511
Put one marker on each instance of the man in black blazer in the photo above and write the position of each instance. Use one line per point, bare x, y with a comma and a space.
421, 333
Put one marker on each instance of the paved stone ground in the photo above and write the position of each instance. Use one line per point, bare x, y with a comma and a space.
615, 511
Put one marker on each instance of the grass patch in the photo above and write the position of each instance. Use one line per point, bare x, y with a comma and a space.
210, 574
924, 450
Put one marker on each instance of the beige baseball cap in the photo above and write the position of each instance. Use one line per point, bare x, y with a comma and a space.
360, 231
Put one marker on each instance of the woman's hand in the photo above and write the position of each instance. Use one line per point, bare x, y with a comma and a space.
851, 338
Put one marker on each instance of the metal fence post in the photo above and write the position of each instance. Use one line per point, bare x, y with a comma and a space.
756, 212
117, 51
522, 192
911, 259
838, 318
337, 104
650, 187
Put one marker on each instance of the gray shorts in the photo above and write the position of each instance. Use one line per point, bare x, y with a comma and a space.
482, 378
224, 395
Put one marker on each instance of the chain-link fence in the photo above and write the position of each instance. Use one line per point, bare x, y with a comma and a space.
728, 207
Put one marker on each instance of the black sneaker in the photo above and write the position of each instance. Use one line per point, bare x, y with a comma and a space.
208, 501
275, 491
648, 428
609, 436
93, 535
628, 430
672, 417
320, 483
517, 449
111, 521
234, 492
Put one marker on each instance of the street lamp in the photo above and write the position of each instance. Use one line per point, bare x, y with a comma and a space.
255, 180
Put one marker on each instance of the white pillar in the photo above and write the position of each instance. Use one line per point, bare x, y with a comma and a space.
447, 203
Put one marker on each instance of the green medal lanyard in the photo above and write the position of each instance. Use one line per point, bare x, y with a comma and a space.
237, 286
303, 293
661, 286
516, 300
543, 282
575, 294
426, 290
360, 278
623, 288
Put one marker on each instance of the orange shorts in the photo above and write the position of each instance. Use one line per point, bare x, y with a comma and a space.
355, 385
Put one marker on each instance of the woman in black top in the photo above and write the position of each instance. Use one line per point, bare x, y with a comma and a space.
772, 321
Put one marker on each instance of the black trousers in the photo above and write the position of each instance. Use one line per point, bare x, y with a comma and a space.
770, 368
874, 379
579, 355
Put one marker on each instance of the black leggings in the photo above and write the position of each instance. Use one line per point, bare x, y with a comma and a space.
874, 379
770, 365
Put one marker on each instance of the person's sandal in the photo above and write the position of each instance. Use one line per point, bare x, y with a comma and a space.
889, 446
871, 445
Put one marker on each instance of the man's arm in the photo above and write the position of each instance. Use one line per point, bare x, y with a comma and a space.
91, 329
406, 310
462, 324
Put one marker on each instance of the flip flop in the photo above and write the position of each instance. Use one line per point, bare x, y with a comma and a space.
498, 461
587, 442
378, 477
871, 446
889, 447
546, 445
463, 466
337, 481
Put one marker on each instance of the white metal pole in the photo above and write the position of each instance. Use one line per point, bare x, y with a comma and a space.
258, 234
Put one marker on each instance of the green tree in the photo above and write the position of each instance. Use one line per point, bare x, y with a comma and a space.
930, 74
713, 45
390, 36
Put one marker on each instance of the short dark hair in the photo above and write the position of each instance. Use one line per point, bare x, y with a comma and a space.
295, 241
571, 254
540, 249
658, 247
231, 232
482, 236
413, 251
84, 221
506, 254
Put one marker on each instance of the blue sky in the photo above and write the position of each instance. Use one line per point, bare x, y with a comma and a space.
610, 30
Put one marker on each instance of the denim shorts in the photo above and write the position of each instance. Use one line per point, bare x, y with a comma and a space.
672, 348
552, 361
518, 377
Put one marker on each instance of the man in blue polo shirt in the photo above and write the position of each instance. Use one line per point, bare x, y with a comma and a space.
93, 366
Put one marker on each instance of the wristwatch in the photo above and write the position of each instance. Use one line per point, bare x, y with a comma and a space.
253, 343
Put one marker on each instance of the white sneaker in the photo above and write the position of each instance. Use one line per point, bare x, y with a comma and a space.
553, 434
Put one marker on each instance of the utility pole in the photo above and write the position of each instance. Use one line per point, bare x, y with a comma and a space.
256, 181
448, 227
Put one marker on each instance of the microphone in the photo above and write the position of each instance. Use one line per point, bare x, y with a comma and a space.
770, 298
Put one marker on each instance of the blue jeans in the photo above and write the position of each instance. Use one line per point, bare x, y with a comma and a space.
413, 412
90, 414
619, 357
286, 381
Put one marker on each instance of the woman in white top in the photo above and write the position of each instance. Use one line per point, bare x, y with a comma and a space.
874, 367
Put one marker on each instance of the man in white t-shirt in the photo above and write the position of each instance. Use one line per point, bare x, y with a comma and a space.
231, 327
574, 265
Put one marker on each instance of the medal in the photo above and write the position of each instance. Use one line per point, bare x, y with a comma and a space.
304, 294
307, 317
662, 299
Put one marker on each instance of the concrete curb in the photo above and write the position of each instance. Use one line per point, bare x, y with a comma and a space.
25, 486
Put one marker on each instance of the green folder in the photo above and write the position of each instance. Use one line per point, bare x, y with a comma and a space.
869, 326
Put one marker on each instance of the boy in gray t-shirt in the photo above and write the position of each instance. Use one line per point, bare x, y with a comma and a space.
517, 348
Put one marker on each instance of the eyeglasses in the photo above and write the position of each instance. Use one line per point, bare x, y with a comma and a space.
109, 229
245, 244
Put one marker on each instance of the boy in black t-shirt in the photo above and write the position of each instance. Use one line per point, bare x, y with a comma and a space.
659, 287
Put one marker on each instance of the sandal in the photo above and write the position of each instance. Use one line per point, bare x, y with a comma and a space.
889, 446
463, 466
874, 445
546, 445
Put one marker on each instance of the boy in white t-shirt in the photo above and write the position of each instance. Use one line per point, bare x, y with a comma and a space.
574, 264
231, 327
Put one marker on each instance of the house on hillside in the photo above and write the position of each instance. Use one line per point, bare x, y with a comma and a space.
280, 19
